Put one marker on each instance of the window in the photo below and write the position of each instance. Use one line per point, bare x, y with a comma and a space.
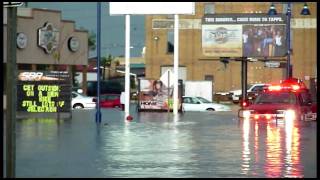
170, 41
74, 95
278, 97
257, 88
208, 78
195, 101
209, 8
306, 97
186, 100
204, 100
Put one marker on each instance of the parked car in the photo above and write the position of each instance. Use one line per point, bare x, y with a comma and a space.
80, 101
190, 103
110, 100
253, 91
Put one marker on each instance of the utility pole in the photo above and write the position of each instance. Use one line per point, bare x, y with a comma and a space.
11, 91
244, 65
289, 68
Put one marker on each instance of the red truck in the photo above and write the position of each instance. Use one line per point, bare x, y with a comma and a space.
289, 99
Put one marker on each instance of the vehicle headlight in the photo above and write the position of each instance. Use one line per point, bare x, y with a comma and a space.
289, 114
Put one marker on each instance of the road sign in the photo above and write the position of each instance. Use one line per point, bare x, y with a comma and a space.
12, 4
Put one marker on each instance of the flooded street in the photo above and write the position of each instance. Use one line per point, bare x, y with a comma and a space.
195, 144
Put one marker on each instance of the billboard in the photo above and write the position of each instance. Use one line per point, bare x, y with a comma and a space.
156, 95
120, 8
244, 35
222, 41
43, 91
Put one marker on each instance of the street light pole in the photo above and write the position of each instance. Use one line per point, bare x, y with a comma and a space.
98, 113
289, 69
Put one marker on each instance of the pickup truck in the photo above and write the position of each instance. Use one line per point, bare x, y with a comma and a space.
252, 92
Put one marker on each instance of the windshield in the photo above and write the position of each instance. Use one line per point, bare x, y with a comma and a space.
249, 86
204, 100
276, 97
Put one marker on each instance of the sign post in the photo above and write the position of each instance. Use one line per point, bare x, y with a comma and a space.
11, 92
176, 64
98, 113
127, 70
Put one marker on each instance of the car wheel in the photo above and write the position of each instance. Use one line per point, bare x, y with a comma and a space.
210, 109
78, 106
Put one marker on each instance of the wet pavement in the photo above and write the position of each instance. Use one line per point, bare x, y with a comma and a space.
194, 144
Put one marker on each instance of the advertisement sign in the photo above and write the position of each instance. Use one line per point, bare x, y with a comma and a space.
119, 8
43, 91
244, 35
222, 41
156, 95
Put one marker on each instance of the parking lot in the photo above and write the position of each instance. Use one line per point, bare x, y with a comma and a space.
193, 144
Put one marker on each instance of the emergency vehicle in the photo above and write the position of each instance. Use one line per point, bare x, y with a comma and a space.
289, 99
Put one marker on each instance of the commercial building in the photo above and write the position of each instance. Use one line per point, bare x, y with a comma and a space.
45, 41
194, 64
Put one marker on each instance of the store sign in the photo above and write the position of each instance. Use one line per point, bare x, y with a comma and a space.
48, 38
183, 24
244, 35
43, 91
272, 64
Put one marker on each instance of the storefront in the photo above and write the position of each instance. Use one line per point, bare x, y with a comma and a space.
45, 41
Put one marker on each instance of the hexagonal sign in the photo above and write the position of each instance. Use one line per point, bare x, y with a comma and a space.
48, 38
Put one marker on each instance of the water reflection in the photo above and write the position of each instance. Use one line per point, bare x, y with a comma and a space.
273, 152
152, 148
278, 141
245, 146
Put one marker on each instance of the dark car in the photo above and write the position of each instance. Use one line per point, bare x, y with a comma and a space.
287, 100
106, 87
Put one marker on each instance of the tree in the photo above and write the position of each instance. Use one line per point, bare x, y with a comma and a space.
92, 41
106, 62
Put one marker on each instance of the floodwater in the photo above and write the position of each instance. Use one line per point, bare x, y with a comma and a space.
195, 144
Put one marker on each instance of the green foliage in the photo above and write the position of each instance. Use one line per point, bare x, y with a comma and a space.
92, 41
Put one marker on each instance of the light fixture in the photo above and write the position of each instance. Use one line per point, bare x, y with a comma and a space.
272, 10
156, 38
288, 10
305, 10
